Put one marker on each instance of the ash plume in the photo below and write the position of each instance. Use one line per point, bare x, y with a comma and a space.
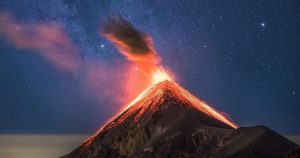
135, 45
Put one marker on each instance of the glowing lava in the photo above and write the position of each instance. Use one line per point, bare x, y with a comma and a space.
155, 95
150, 76
160, 75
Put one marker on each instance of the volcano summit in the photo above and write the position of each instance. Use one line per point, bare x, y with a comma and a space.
168, 121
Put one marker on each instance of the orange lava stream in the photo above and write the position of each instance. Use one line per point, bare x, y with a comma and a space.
202, 106
178, 92
158, 76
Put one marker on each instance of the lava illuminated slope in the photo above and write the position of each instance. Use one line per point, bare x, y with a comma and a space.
168, 121
152, 98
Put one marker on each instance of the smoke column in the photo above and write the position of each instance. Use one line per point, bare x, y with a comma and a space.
138, 48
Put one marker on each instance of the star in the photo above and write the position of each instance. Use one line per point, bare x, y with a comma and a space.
294, 92
102, 45
262, 24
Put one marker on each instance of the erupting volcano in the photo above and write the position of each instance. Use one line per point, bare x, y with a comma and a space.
165, 120
168, 121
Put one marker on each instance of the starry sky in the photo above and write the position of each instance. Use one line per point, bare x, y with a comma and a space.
241, 57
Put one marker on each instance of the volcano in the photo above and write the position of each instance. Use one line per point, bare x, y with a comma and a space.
167, 121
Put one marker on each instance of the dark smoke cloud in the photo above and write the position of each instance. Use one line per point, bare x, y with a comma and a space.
137, 47
123, 31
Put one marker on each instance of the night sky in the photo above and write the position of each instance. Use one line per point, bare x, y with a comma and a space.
241, 57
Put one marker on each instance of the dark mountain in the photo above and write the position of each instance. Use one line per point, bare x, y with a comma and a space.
167, 121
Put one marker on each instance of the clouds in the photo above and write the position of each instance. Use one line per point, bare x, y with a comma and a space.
46, 39
51, 41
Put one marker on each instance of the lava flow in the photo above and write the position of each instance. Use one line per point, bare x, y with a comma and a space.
138, 48
153, 97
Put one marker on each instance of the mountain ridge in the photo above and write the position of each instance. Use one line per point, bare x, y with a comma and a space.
171, 91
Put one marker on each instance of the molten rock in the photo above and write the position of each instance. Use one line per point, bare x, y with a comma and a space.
167, 122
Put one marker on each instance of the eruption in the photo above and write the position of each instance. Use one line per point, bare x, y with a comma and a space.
168, 121
165, 120
51, 41
138, 48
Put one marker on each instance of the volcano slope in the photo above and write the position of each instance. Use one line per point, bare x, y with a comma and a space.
167, 121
